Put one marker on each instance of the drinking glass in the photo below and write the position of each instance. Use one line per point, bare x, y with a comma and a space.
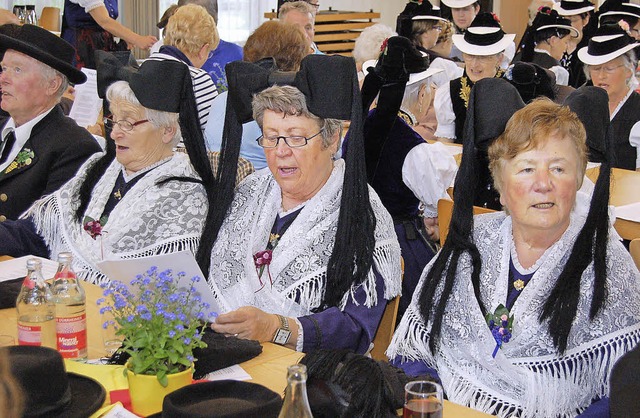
422, 399
110, 340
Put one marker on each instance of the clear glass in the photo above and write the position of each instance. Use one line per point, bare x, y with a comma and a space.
71, 307
422, 399
36, 309
296, 404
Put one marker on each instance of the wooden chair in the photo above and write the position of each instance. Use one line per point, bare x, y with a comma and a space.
244, 166
386, 327
634, 249
445, 209
50, 19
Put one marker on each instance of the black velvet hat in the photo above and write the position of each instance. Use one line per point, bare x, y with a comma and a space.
221, 399
44, 46
49, 390
608, 42
416, 10
532, 81
591, 104
547, 18
573, 7
618, 9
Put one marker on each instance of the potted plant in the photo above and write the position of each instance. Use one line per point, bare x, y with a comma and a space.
162, 324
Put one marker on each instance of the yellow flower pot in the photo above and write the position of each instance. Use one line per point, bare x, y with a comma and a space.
147, 393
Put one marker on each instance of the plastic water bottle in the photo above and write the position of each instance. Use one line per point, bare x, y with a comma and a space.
36, 310
296, 403
71, 311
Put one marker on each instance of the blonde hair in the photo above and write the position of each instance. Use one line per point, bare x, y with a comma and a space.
530, 128
191, 27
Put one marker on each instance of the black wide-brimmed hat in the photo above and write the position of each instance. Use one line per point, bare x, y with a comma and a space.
48, 389
573, 7
619, 9
547, 18
483, 37
416, 10
609, 42
532, 81
221, 399
591, 104
458, 4
45, 47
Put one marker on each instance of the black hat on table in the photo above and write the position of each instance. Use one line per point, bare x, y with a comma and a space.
416, 10
44, 46
483, 37
221, 399
573, 7
609, 42
49, 390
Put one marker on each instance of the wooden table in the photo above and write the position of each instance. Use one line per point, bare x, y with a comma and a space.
268, 369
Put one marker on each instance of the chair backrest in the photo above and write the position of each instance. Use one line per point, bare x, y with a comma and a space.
50, 19
386, 327
244, 166
634, 249
445, 209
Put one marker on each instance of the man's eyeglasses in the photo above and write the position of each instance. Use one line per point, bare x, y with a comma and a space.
291, 141
607, 69
124, 125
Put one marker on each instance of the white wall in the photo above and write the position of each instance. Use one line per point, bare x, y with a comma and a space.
388, 9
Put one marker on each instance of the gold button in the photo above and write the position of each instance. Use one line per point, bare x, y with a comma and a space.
3, 197
3, 218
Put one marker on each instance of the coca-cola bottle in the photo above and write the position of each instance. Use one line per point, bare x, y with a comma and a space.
35, 307
296, 404
71, 318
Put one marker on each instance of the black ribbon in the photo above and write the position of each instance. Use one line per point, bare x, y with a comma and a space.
316, 73
483, 39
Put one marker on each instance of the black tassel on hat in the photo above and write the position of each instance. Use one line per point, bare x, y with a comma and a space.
491, 104
330, 86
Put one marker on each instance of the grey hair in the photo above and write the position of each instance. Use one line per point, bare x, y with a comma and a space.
120, 90
629, 60
300, 6
368, 44
49, 73
290, 101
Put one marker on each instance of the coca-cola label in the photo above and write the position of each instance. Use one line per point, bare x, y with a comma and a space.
71, 335
29, 335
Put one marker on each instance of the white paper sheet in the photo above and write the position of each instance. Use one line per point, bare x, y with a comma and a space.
86, 104
234, 372
126, 270
17, 267
629, 212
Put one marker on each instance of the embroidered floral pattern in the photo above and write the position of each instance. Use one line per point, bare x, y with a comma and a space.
465, 90
23, 159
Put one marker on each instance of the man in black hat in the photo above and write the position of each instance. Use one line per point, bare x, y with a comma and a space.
40, 148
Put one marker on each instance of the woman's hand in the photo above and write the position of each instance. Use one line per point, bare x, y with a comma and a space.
432, 228
249, 323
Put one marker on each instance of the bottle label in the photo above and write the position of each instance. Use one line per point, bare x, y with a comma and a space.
29, 335
71, 334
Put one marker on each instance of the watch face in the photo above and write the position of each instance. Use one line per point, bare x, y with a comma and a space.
282, 336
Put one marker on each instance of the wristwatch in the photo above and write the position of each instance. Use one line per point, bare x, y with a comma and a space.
283, 333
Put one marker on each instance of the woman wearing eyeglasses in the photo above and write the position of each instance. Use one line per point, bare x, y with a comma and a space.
137, 199
285, 265
610, 63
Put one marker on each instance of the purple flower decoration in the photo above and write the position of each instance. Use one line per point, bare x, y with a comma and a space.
501, 325
261, 260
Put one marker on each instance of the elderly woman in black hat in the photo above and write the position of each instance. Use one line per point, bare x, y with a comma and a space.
408, 174
520, 313
307, 256
545, 43
482, 45
610, 63
421, 24
139, 198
